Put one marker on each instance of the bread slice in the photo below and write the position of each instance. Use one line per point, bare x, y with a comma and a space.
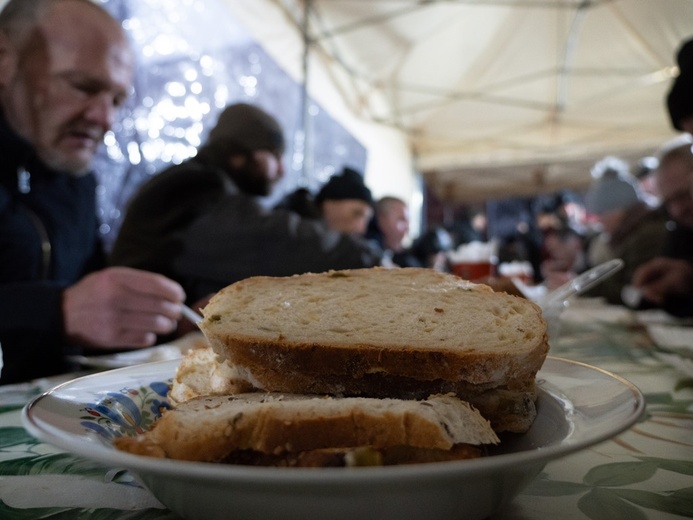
369, 331
201, 374
210, 429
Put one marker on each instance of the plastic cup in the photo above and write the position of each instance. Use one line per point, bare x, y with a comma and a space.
473, 270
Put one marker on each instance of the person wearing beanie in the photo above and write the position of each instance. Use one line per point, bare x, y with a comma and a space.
630, 229
202, 222
680, 97
345, 203
613, 189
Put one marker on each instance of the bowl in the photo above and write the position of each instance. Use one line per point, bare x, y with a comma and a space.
578, 406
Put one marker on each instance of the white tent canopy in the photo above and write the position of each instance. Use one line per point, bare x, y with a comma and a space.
493, 97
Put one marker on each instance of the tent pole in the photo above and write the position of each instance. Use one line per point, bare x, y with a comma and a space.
307, 145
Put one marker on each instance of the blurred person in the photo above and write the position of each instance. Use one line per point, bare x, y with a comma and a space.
630, 229
524, 245
431, 248
300, 201
462, 230
65, 69
644, 173
564, 254
392, 219
559, 209
673, 178
345, 203
680, 96
390, 228
202, 223
666, 280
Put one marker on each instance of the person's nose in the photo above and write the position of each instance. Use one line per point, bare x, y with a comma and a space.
101, 110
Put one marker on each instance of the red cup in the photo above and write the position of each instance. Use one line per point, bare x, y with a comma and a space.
473, 270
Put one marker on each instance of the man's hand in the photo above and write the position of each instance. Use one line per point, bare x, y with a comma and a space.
121, 307
663, 277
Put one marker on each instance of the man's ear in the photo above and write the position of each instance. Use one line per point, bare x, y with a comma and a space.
8, 59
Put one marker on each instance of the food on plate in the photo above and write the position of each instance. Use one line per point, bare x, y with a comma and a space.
304, 430
354, 367
200, 373
405, 333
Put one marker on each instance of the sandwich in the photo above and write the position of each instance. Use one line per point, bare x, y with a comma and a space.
387, 343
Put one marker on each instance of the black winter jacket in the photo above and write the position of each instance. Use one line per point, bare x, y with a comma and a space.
48, 241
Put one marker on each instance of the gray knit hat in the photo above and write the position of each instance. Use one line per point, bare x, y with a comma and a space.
614, 188
248, 127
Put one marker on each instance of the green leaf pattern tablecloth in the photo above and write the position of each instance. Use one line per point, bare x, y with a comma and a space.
645, 473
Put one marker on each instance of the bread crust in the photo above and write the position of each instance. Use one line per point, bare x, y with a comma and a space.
438, 328
201, 374
285, 366
209, 429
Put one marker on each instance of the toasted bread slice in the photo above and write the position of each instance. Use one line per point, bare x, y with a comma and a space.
210, 429
369, 331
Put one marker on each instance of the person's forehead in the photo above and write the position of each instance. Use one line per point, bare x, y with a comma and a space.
99, 38
397, 210
348, 205
675, 174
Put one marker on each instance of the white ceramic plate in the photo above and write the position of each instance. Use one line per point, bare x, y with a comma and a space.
578, 406
131, 358
167, 352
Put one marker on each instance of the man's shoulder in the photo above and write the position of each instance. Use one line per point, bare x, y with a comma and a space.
182, 179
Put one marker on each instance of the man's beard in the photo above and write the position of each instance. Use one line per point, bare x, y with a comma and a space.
71, 167
252, 179
74, 164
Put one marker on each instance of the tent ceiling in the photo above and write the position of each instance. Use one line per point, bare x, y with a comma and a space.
505, 96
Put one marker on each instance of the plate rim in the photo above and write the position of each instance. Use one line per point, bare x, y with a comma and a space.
252, 475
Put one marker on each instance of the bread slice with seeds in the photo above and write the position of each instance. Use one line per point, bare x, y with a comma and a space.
377, 332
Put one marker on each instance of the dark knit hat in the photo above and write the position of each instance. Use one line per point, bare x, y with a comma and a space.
248, 127
680, 97
348, 185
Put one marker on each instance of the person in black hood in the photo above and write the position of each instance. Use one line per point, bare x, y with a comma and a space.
202, 223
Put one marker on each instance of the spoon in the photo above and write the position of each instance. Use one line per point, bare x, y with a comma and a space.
191, 315
582, 282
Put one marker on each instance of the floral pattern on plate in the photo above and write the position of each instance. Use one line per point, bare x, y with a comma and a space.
129, 411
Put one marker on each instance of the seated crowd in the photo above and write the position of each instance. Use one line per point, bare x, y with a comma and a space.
199, 226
